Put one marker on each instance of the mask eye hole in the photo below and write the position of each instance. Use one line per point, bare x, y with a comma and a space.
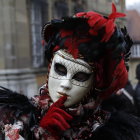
60, 69
81, 76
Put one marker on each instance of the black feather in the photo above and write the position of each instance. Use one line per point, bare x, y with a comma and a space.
70, 23
13, 104
12, 107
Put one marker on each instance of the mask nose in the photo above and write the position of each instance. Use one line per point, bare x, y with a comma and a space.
66, 84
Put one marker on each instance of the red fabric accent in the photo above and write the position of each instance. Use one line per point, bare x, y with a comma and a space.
56, 119
110, 78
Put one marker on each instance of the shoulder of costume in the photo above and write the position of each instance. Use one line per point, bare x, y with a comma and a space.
120, 126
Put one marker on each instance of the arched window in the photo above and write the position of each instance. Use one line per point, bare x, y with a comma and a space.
38, 18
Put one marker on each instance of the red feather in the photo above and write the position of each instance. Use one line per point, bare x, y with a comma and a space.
80, 14
107, 36
93, 32
109, 26
56, 48
91, 13
114, 10
120, 76
101, 23
116, 15
92, 21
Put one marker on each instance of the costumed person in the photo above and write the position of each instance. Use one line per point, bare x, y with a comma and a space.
87, 54
137, 90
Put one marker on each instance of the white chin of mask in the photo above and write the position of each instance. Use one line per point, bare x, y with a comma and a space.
70, 77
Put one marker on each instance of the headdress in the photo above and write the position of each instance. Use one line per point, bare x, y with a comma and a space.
97, 40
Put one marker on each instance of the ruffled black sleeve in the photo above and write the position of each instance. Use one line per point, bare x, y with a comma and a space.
15, 107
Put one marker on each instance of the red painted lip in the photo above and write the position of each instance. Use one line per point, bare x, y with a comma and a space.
62, 94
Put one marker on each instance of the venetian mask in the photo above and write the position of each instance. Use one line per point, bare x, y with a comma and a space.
70, 77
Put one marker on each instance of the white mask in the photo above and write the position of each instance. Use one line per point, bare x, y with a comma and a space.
70, 77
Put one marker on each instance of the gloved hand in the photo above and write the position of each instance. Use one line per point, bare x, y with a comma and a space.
56, 119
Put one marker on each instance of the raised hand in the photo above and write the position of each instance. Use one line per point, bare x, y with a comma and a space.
56, 119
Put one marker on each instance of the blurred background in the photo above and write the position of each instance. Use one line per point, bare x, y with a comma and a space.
22, 60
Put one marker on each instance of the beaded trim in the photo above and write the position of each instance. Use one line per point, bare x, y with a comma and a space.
67, 56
